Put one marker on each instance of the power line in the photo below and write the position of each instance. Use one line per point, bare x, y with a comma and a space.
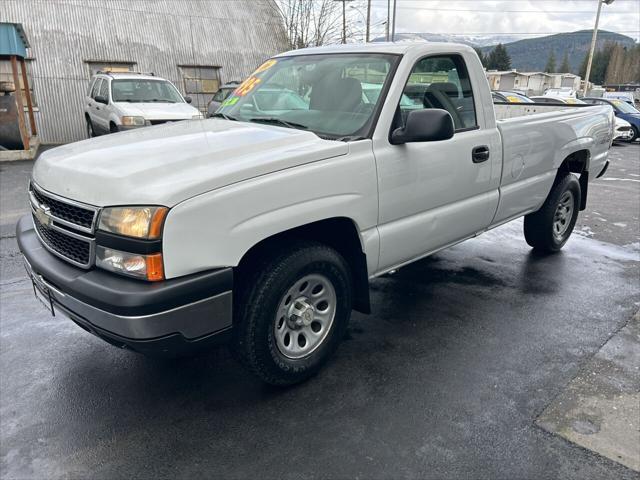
589, 32
500, 12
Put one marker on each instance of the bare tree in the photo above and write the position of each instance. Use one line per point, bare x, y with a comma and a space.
310, 23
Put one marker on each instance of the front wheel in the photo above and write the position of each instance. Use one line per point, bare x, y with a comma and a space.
548, 229
634, 133
292, 314
90, 131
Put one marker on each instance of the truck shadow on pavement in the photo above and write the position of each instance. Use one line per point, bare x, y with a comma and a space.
463, 350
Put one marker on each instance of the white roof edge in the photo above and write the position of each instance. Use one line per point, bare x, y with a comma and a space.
377, 47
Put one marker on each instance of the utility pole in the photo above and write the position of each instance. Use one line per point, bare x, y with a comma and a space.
368, 18
393, 25
344, 19
386, 27
593, 45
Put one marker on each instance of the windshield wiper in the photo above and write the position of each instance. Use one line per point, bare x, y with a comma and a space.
225, 116
348, 138
279, 121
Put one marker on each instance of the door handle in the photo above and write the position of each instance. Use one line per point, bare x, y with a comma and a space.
480, 154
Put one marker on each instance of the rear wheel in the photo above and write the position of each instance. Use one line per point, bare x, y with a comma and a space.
292, 314
549, 228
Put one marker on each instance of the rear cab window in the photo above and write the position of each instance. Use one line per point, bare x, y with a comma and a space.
440, 81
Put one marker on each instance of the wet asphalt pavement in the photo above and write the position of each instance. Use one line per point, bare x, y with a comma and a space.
445, 380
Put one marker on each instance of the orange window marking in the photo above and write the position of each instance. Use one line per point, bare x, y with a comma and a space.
265, 66
246, 86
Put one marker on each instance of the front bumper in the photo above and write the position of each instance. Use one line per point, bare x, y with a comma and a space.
164, 317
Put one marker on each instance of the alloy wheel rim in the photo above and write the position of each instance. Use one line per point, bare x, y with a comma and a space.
305, 315
563, 215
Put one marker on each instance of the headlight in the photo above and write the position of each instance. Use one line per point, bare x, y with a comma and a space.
197, 117
133, 121
147, 267
138, 222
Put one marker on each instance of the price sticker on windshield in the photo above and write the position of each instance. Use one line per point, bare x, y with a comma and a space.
230, 101
265, 66
246, 86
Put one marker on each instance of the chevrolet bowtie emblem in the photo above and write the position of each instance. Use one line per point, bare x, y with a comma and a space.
43, 214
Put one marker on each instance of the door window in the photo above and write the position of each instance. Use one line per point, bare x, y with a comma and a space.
104, 89
441, 82
96, 88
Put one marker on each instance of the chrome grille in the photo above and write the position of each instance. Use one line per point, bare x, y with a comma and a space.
73, 214
161, 122
65, 227
73, 249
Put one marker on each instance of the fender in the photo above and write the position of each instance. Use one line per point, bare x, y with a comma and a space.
224, 224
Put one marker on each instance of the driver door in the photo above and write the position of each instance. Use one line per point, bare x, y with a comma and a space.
433, 194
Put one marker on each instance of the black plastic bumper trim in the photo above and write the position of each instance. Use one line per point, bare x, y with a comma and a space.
117, 294
126, 244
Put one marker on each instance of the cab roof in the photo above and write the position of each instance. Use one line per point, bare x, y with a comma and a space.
397, 48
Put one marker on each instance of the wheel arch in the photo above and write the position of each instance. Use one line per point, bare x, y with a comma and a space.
578, 163
340, 233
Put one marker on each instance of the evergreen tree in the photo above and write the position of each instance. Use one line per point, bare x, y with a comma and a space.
583, 66
564, 66
481, 56
614, 72
599, 65
498, 59
550, 67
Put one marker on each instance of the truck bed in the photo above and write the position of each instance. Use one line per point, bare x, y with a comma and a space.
511, 110
535, 141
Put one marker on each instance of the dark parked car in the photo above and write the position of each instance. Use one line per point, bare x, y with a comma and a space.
220, 96
623, 110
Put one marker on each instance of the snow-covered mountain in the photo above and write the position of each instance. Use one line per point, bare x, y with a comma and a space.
473, 40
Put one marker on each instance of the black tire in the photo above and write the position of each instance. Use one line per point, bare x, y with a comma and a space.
541, 227
635, 135
90, 130
258, 304
113, 128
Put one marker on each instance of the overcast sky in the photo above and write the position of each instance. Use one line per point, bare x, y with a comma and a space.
507, 16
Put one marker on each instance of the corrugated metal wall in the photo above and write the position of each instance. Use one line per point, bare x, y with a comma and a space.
158, 35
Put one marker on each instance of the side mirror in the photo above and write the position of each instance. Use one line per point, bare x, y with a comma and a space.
188, 99
428, 125
101, 99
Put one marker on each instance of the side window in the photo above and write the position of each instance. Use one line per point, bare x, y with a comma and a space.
91, 84
96, 88
104, 89
221, 95
441, 82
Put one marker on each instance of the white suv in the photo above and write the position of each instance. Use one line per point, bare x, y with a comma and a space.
123, 101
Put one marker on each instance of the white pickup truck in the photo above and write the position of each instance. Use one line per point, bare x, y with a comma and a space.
326, 168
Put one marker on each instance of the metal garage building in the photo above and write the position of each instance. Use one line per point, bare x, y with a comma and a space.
197, 44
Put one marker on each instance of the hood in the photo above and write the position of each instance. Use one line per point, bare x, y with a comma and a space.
621, 123
158, 110
167, 164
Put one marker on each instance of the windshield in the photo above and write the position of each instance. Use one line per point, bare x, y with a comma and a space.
334, 96
139, 91
624, 107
